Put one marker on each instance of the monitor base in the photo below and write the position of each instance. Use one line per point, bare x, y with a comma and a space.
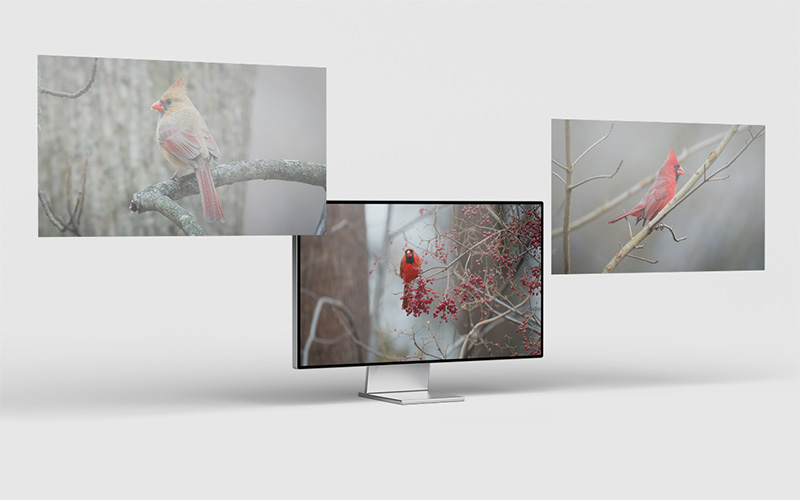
411, 397
402, 385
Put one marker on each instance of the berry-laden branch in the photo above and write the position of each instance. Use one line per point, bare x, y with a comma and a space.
160, 197
490, 280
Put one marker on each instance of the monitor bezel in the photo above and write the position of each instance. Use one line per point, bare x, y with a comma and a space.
296, 287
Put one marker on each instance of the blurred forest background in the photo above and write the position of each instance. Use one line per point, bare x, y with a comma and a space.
723, 222
253, 112
351, 290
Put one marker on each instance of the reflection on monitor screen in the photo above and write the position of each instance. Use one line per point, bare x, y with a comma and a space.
409, 284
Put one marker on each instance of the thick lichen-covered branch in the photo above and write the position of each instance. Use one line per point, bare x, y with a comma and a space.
160, 197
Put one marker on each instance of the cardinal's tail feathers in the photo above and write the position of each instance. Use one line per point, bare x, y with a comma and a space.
619, 218
212, 210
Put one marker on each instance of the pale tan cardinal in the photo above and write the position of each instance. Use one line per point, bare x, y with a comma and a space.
185, 142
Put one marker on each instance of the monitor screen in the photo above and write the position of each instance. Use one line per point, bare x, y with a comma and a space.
396, 283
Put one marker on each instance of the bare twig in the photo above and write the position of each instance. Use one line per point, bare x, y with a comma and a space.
74, 210
468, 340
593, 145
349, 329
567, 193
599, 176
72, 95
663, 226
631, 256
44, 199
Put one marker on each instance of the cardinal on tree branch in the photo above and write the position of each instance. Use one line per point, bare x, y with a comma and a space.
185, 141
657, 197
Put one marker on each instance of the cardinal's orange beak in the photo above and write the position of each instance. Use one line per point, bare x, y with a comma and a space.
157, 106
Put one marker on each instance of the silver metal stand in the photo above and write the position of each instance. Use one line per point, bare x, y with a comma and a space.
403, 384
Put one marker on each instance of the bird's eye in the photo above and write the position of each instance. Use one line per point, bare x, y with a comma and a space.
169, 101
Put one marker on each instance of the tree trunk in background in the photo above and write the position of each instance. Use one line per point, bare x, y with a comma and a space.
336, 266
113, 126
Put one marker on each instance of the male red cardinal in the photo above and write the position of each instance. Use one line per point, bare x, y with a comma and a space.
185, 141
659, 194
409, 269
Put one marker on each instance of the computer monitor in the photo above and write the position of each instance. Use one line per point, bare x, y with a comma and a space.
398, 286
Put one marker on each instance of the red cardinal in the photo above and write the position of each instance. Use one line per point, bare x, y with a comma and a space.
660, 193
409, 269
185, 142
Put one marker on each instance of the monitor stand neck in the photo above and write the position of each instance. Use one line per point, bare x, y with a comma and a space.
403, 384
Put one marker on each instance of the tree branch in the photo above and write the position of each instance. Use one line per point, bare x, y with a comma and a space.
74, 211
605, 176
349, 327
160, 197
567, 193
73, 95
593, 145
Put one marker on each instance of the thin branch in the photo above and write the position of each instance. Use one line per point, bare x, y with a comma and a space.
663, 226
421, 348
480, 324
599, 176
559, 178
159, 197
593, 145
631, 256
567, 193
74, 210
349, 327
44, 199
73, 95
558, 164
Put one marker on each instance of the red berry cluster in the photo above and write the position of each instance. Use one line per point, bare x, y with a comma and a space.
445, 307
476, 211
532, 280
523, 331
440, 250
419, 296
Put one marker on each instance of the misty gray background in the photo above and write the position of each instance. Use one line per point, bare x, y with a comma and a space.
289, 122
253, 111
724, 221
